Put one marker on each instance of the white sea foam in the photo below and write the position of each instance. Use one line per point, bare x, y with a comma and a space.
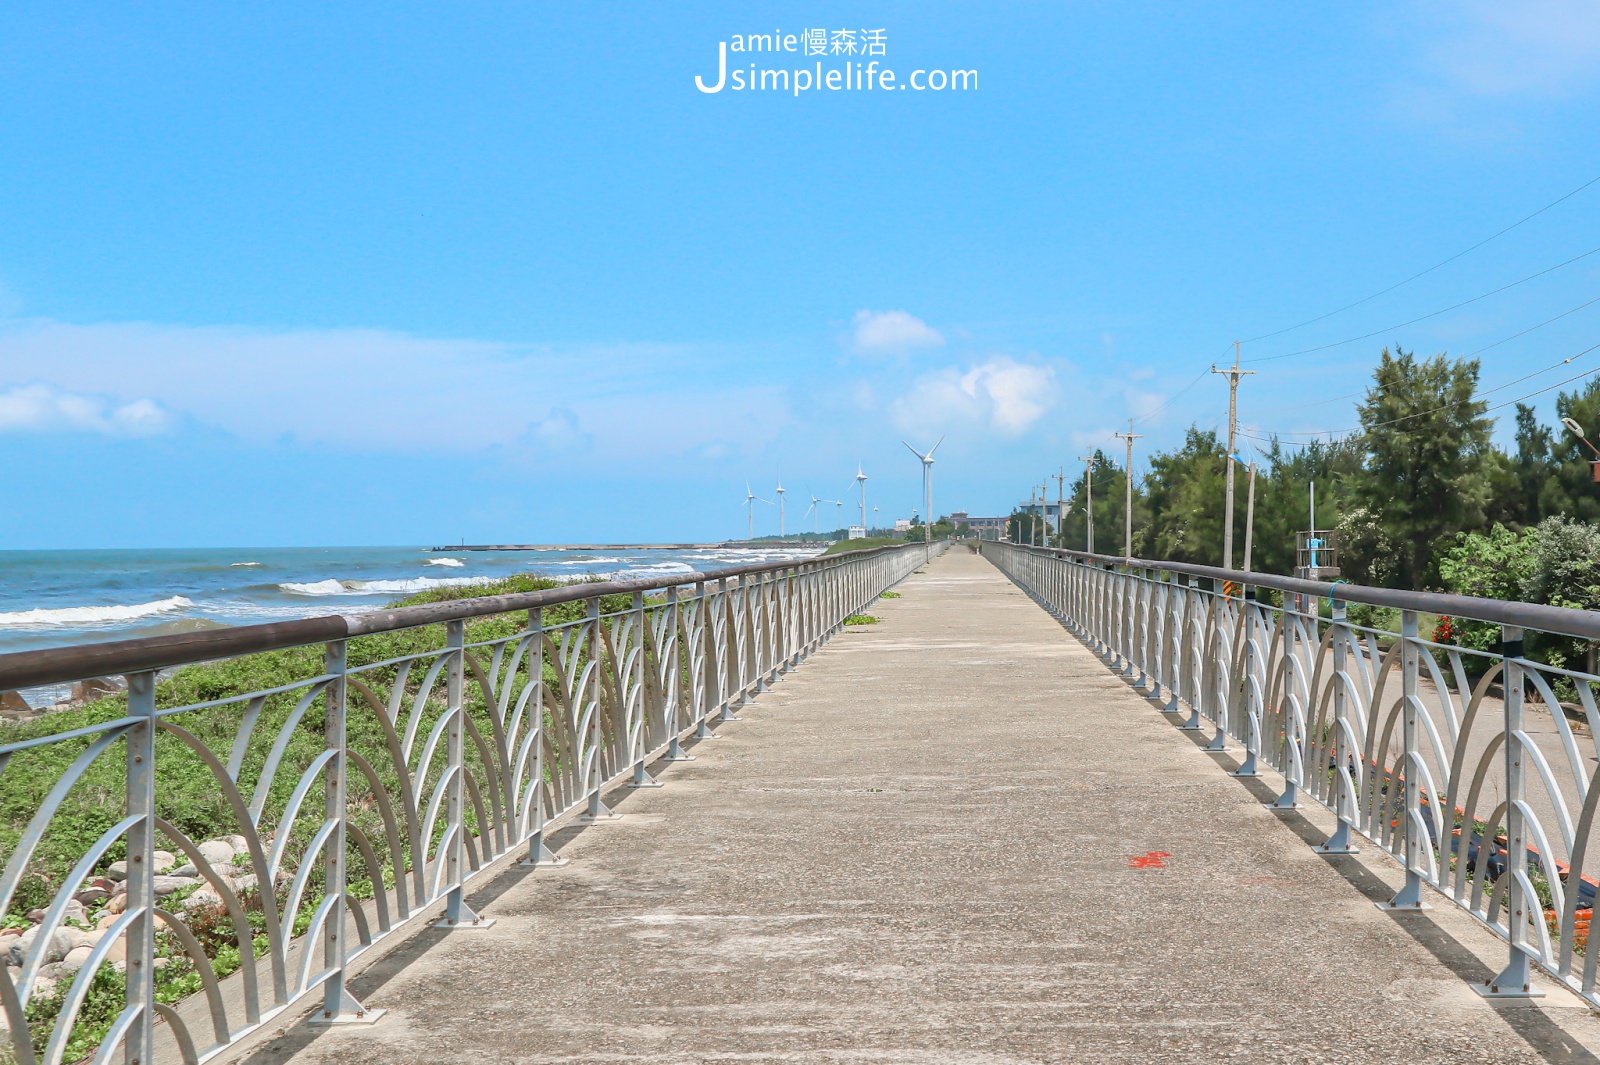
236, 565
93, 615
602, 559
327, 587
451, 562
405, 587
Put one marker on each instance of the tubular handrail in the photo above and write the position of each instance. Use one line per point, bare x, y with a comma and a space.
56, 665
1566, 621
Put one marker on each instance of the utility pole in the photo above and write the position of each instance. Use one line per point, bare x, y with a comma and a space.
1061, 506
1233, 376
1127, 475
1088, 501
1044, 512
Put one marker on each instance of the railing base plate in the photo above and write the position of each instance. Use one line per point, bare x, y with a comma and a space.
1402, 907
1492, 991
321, 1019
1323, 848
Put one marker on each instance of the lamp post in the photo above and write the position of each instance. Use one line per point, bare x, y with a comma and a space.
1577, 430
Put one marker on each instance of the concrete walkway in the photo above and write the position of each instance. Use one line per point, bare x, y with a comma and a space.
932, 843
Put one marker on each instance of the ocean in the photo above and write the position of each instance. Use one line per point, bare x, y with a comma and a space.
57, 598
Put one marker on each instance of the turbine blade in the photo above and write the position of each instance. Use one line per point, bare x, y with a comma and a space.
934, 448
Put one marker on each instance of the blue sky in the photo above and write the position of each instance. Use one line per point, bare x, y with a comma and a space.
313, 274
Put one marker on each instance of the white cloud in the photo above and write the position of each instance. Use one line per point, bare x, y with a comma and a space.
1513, 47
44, 408
371, 390
558, 431
1006, 396
891, 333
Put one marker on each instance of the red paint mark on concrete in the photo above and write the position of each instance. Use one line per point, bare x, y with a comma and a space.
1152, 860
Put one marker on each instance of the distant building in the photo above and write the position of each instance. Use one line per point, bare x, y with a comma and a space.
857, 533
978, 525
902, 525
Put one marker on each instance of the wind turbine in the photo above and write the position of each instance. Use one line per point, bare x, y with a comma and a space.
874, 512
816, 515
839, 510
861, 483
750, 501
927, 495
781, 490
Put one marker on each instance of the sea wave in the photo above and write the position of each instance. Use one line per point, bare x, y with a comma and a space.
404, 587
585, 561
236, 565
451, 562
92, 615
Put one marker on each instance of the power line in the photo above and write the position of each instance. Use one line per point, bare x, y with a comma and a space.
1425, 317
1479, 351
1429, 270
1173, 398
1475, 396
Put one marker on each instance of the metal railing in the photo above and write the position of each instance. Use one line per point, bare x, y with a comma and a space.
359, 769
1474, 767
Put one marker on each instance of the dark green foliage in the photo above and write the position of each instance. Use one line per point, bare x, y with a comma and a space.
1427, 447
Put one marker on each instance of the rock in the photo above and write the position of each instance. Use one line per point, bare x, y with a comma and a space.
107, 919
204, 897
166, 885
186, 869
43, 988
160, 963
13, 702
62, 941
217, 851
117, 953
245, 883
76, 912
104, 883
116, 904
94, 688
88, 937
120, 889
118, 871
240, 845
92, 896
75, 959
164, 860
35, 916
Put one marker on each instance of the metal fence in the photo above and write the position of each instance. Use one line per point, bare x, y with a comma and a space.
354, 771
1453, 749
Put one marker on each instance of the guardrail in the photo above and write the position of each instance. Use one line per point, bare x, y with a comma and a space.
1465, 764
354, 771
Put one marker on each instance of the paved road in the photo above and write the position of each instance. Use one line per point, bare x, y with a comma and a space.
933, 843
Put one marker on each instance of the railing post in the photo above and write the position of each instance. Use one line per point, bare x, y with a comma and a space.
1213, 666
539, 853
597, 812
1407, 775
1185, 670
638, 723
1522, 905
139, 1043
1239, 690
1344, 754
690, 665
457, 914
339, 1006
1293, 738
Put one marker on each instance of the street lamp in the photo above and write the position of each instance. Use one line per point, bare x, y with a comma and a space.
1577, 430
